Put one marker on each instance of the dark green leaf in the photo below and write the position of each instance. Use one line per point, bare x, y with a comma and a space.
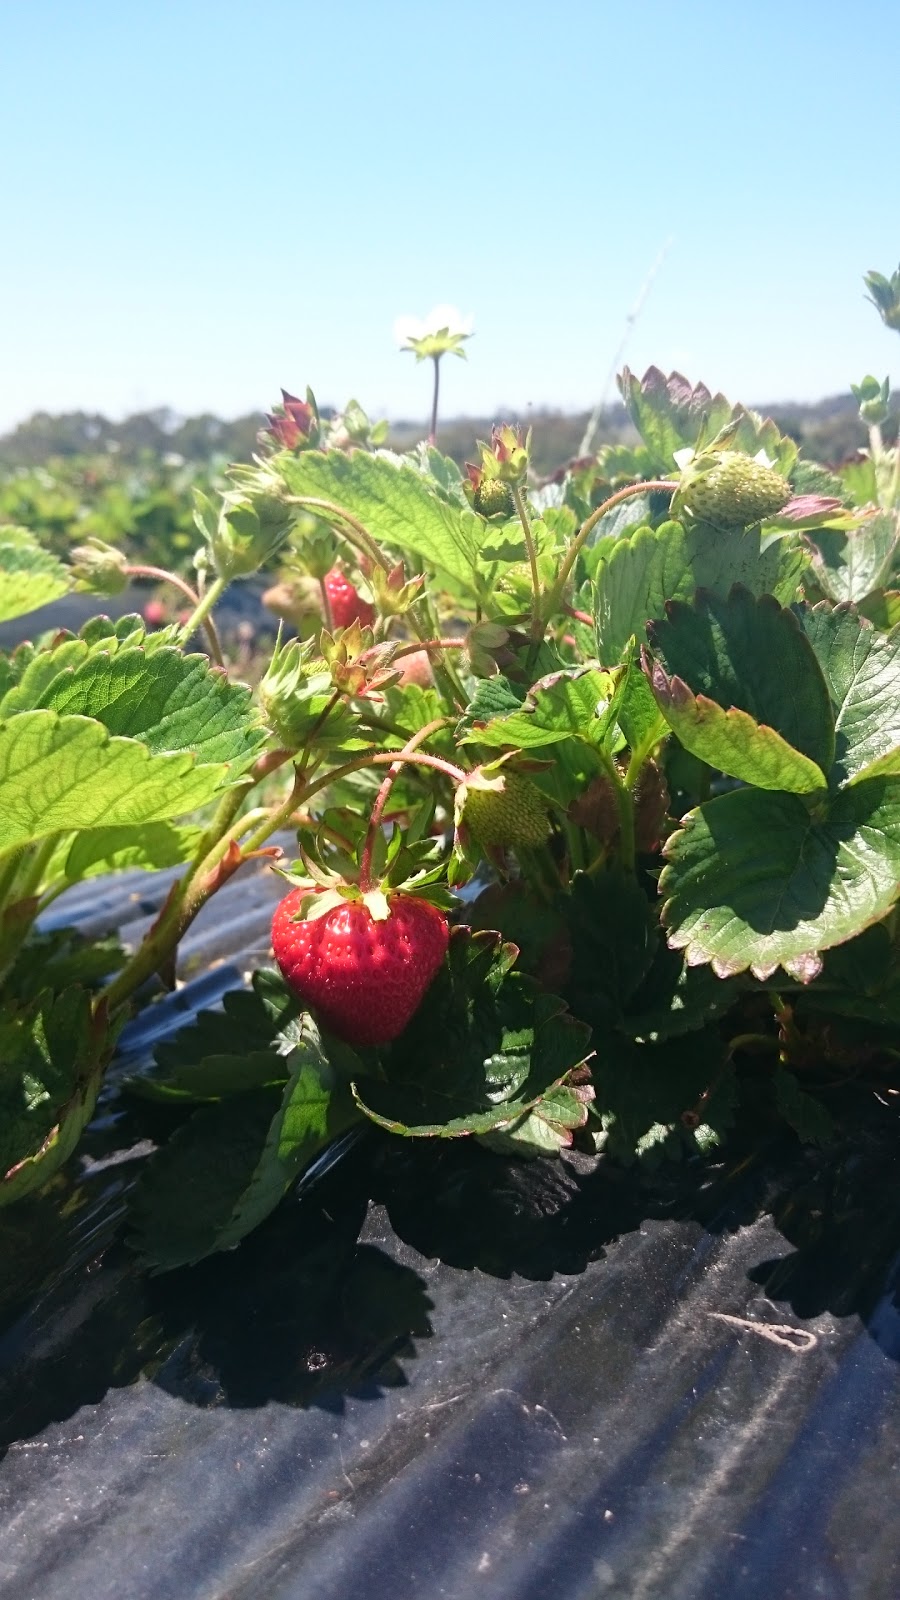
658, 1100
670, 563
483, 1048
862, 671
849, 566
614, 934
756, 880
746, 655
809, 1118
231, 1163
49, 1076
243, 1045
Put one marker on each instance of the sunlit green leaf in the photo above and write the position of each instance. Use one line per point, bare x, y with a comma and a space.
755, 880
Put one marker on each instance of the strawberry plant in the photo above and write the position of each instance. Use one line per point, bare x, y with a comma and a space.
595, 786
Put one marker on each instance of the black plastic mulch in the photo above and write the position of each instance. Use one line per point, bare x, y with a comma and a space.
434, 1373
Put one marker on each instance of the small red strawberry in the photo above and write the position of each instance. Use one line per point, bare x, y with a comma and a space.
344, 602
364, 977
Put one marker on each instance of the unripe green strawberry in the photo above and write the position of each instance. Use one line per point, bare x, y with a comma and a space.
492, 497
733, 490
511, 816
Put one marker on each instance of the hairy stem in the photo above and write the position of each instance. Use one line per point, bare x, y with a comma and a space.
537, 621
202, 610
432, 432
354, 531
365, 865
326, 606
555, 594
143, 571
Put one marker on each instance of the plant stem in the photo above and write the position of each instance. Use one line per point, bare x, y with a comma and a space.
894, 491
326, 606
202, 610
625, 808
432, 432
361, 539
555, 594
188, 897
28, 882
537, 621
641, 751
143, 571
365, 864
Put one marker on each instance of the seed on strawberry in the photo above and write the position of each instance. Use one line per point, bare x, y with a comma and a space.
511, 816
364, 978
733, 490
345, 604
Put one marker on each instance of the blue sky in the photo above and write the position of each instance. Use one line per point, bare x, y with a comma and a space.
204, 201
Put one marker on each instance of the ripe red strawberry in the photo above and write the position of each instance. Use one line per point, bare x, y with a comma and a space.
365, 979
346, 605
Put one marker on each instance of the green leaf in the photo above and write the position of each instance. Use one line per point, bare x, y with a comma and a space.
882, 607
544, 1130
658, 1100
29, 576
745, 655
49, 1076
394, 503
59, 774
169, 701
670, 413
808, 1117
614, 935
675, 998
231, 1163
756, 880
636, 710
243, 1045
862, 671
55, 961
565, 705
670, 563
731, 742
849, 566
484, 1047
150, 846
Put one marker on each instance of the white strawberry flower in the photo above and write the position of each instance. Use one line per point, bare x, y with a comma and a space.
442, 331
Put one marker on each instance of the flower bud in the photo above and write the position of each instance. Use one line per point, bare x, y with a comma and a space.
394, 592
99, 568
295, 694
252, 523
294, 425
884, 294
874, 400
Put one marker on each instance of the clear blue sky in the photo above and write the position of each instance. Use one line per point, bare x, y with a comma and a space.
203, 201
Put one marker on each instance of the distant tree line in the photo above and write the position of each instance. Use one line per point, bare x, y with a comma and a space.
829, 431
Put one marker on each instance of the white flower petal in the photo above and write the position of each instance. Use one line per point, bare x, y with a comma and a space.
450, 317
406, 328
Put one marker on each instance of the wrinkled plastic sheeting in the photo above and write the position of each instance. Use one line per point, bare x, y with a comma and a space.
435, 1373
